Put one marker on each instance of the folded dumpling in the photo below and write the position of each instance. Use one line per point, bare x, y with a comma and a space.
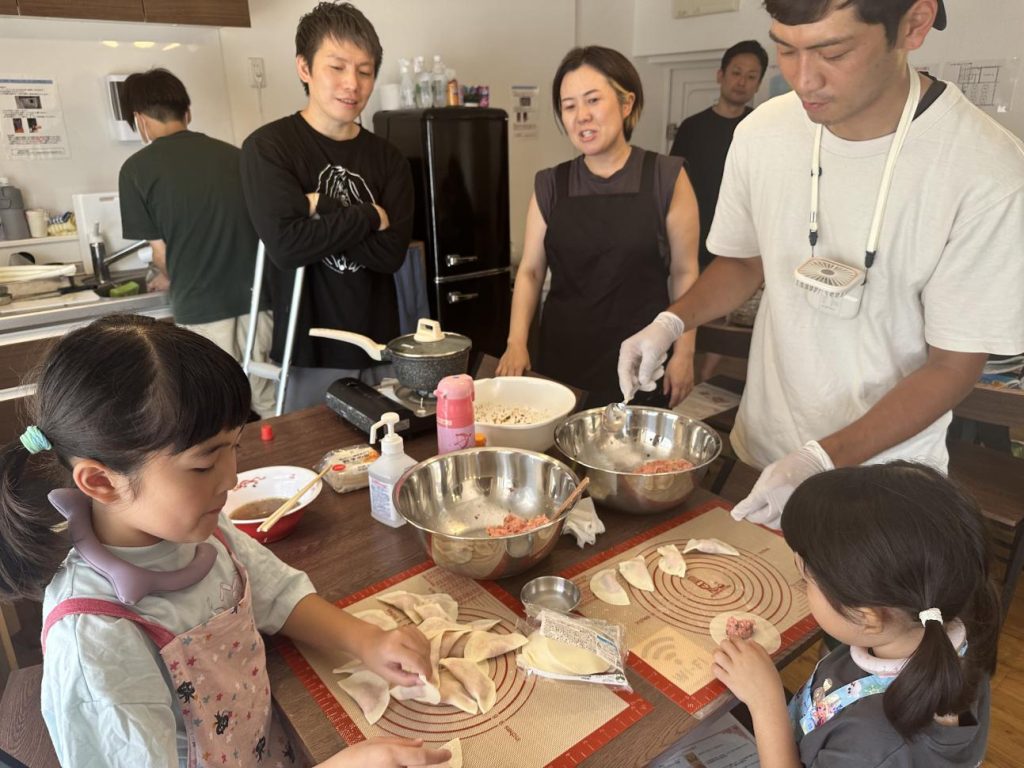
420, 607
378, 618
370, 691
672, 561
475, 680
635, 572
711, 546
454, 695
606, 587
424, 691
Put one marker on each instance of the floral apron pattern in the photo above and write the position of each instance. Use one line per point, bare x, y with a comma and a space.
219, 674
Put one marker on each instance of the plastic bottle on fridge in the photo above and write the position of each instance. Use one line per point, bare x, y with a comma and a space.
424, 86
386, 471
456, 428
406, 88
439, 80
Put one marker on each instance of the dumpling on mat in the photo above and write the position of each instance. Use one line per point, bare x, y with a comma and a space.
635, 572
370, 691
672, 561
606, 587
711, 547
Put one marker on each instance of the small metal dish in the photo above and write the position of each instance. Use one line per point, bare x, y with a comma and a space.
551, 592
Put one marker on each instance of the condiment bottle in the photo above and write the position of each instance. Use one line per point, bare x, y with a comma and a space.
385, 472
455, 424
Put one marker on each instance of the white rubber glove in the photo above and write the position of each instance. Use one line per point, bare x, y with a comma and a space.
642, 355
778, 481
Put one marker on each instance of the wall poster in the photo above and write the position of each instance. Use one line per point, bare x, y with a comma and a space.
31, 120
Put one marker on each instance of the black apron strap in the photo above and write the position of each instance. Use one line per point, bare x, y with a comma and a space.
561, 182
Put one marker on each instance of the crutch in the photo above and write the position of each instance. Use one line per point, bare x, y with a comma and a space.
268, 370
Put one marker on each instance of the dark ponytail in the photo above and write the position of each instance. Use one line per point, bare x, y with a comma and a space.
30, 549
902, 538
117, 391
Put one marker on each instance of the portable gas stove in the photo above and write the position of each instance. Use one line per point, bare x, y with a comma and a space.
362, 405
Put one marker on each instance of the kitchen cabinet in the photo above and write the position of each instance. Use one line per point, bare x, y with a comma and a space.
226, 13
112, 10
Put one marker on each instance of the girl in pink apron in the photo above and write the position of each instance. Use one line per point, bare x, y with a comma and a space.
894, 558
152, 642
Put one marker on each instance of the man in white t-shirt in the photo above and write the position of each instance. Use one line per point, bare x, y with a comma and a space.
848, 381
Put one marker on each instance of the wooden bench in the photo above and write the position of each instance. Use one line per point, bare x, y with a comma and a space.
995, 478
23, 733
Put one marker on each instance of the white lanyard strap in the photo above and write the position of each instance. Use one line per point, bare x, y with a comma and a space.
909, 109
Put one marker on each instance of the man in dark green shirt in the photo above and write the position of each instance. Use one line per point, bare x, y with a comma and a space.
183, 193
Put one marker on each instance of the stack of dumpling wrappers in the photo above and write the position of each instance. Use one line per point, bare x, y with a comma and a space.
458, 658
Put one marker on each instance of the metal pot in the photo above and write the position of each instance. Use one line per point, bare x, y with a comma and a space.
421, 359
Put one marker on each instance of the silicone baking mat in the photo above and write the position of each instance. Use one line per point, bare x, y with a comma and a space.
667, 630
534, 722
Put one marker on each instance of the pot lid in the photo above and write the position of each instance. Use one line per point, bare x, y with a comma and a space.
429, 341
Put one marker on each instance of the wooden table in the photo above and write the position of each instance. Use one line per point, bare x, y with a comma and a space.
344, 550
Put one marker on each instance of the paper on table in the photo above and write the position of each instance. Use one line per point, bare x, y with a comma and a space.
719, 743
707, 400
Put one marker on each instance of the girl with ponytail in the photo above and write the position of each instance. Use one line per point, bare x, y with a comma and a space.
151, 637
895, 562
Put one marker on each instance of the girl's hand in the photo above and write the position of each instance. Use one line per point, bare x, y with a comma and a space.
747, 670
387, 753
678, 377
515, 361
398, 656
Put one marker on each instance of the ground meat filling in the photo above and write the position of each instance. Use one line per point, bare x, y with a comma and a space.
513, 524
656, 466
739, 629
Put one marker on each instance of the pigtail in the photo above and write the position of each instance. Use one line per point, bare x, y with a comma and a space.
30, 550
931, 682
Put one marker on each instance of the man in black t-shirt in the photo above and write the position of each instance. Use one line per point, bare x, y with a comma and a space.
327, 195
703, 139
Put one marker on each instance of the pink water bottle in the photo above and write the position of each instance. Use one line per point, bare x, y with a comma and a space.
455, 424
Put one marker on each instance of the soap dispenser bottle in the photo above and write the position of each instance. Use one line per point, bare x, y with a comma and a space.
385, 472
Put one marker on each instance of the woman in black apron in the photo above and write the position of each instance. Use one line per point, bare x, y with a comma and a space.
618, 228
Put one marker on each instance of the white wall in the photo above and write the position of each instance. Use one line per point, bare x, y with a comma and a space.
973, 33
72, 53
611, 23
487, 42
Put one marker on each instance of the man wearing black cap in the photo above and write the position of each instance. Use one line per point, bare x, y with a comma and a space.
889, 246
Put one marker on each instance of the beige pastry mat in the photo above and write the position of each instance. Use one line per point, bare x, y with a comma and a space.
667, 630
534, 722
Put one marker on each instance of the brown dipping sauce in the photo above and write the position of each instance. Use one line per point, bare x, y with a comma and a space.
255, 510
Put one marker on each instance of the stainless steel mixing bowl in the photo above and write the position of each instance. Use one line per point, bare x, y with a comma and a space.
611, 456
452, 499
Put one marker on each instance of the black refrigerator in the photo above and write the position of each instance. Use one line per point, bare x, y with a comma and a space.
459, 160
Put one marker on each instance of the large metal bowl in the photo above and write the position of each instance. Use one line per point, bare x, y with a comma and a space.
611, 456
452, 499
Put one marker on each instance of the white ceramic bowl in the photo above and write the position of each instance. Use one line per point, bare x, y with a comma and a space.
555, 399
271, 483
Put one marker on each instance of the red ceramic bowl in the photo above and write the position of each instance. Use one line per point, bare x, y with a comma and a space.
259, 485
